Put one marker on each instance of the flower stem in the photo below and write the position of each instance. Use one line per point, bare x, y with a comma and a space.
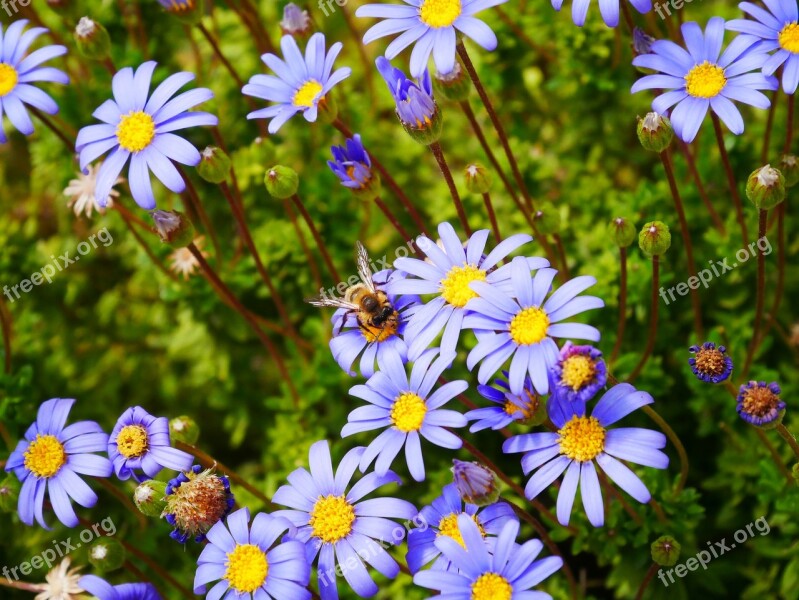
653, 320
780, 288
789, 127
650, 573
5, 325
320, 243
760, 291
562, 254
305, 248
392, 219
769, 126
435, 148
788, 437
157, 569
52, 127
195, 203
218, 51
139, 576
736, 197
123, 499
622, 304
665, 157
775, 456
672, 435
128, 220
492, 217
691, 162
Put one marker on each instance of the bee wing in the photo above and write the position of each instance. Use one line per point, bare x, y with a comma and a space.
331, 301
364, 270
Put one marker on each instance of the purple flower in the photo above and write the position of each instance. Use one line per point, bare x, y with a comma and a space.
416, 108
102, 590
709, 363
608, 8
508, 407
579, 373
759, 403
352, 164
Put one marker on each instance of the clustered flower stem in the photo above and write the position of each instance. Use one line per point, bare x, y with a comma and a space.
320, 243
435, 148
127, 218
788, 437
691, 162
675, 439
622, 304
736, 196
653, 320
492, 217
760, 292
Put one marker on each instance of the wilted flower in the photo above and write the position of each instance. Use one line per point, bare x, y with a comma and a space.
710, 363
476, 483
759, 403
62, 583
195, 501
296, 21
183, 262
81, 192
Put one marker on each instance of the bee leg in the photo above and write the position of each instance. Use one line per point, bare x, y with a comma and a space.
343, 320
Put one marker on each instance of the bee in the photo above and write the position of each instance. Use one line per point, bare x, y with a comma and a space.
376, 317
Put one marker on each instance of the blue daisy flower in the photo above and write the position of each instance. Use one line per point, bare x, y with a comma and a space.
102, 590
407, 409
351, 340
336, 524
448, 272
137, 125
579, 373
440, 518
510, 571
509, 407
580, 442
778, 30
703, 78
50, 459
759, 403
416, 108
710, 363
248, 562
609, 9
18, 72
352, 164
524, 322
140, 441
301, 83
433, 26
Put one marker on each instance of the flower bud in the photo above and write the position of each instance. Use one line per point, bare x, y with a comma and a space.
665, 551
478, 179
455, 85
476, 483
655, 132
188, 11
296, 22
9, 494
547, 219
106, 554
149, 498
789, 167
173, 228
281, 182
92, 39
766, 187
428, 132
655, 238
642, 43
195, 501
214, 165
184, 429
622, 232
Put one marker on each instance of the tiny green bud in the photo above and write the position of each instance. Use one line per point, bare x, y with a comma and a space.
765, 187
478, 179
184, 429
281, 182
429, 132
622, 232
455, 85
149, 498
9, 494
665, 551
547, 219
214, 165
173, 228
655, 238
107, 554
655, 132
92, 39
789, 166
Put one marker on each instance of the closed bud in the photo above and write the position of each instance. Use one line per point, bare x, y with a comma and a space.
766, 187
455, 85
184, 429
281, 182
789, 167
9, 494
655, 238
149, 498
106, 554
173, 228
476, 483
92, 39
188, 11
428, 132
665, 551
478, 179
655, 132
296, 22
547, 219
622, 232
214, 165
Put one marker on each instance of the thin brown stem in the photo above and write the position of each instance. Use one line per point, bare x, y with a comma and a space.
764, 153
789, 126
653, 320
435, 148
614, 493
736, 196
157, 569
368, 66
759, 293
562, 254
775, 455
124, 499
392, 219
522, 35
127, 218
320, 243
650, 573
622, 304
675, 439
218, 51
492, 217
52, 127
197, 205
109, 65
691, 162
788, 437
309, 257
5, 325
781, 252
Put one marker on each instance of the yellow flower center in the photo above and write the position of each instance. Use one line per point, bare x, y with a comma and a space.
332, 518
449, 528
408, 412
440, 13
512, 408
491, 586
529, 326
306, 95
8, 79
455, 286
45, 456
578, 371
582, 438
135, 131
789, 37
247, 568
132, 441
705, 80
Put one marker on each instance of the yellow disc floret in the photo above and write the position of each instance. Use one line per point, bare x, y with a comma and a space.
135, 131
332, 518
306, 95
455, 286
578, 371
705, 80
247, 568
491, 586
789, 37
582, 438
448, 526
529, 326
132, 441
440, 13
8, 79
408, 412
45, 456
